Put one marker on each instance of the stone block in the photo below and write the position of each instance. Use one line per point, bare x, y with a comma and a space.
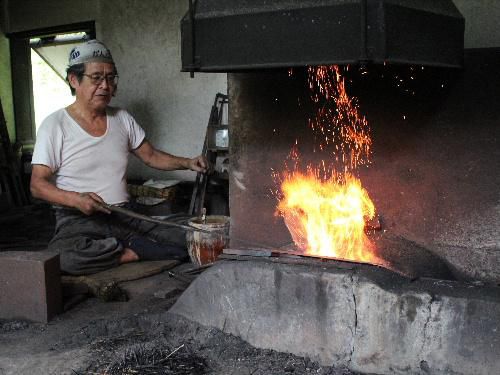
365, 318
30, 285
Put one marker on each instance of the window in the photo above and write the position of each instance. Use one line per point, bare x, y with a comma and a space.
49, 59
39, 61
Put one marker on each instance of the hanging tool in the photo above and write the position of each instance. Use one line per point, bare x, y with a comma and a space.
210, 151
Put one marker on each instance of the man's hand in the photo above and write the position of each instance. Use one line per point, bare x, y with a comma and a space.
198, 164
89, 203
42, 187
168, 162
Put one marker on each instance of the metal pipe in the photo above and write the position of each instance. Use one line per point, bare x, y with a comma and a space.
364, 32
193, 44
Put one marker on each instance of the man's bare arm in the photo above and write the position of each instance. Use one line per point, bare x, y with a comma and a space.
42, 187
164, 161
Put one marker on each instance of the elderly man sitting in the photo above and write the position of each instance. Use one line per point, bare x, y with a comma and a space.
79, 163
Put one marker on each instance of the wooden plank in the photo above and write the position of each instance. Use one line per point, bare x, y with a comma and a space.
11, 177
8, 153
5, 186
104, 285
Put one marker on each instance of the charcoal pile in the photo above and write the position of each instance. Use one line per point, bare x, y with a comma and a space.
146, 359
177, 346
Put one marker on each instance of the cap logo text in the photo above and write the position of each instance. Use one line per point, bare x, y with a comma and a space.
101, 54
74, 54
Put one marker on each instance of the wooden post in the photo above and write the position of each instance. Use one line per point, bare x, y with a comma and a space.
9, 167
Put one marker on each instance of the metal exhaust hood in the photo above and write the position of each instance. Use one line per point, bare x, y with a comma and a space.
232, 35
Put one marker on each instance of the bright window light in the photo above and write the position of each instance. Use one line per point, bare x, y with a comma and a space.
50, 91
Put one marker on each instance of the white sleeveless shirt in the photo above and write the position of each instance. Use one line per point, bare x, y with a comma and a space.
84, 163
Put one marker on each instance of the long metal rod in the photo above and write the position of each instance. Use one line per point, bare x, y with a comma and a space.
135, 215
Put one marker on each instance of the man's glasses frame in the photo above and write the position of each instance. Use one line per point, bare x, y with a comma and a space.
96, 78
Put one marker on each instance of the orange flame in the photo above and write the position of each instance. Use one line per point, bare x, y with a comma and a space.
327, 218
325, 208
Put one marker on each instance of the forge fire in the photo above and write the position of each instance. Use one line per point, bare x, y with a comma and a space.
325, 208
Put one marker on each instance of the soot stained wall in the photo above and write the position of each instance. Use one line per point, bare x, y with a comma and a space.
436, 155
144, 38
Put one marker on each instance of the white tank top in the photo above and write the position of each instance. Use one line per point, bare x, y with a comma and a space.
84, 163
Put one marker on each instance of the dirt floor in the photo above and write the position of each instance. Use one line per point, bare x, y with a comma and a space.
137, 337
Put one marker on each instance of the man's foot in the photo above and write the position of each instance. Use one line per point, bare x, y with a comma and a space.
147, 249
128, 256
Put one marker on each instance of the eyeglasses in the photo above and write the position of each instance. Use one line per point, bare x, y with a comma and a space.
96, 78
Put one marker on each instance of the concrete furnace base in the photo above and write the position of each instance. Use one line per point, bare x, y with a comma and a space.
361, 317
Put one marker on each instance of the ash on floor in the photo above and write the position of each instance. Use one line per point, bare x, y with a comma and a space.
137, 337
134, 337
183, 347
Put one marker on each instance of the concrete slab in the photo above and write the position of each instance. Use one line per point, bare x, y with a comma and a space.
365, 318
30, 285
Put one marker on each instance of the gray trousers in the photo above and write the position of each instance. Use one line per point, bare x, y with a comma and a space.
90, 244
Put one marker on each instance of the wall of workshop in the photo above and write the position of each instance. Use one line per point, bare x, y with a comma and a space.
6, 86
172, 107
144, 38
481, 22
24, 15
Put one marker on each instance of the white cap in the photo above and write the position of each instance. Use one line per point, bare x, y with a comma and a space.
90, 51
